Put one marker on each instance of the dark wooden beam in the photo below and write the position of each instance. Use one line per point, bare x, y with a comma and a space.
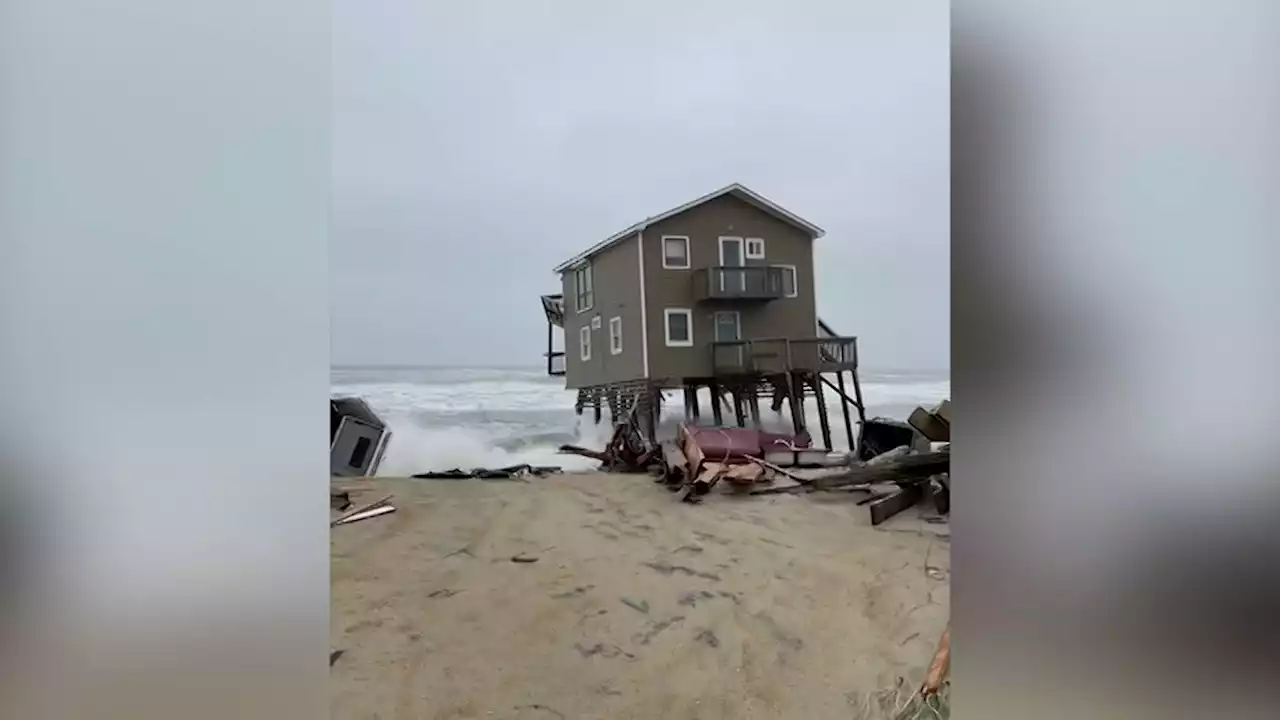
844, 408
823, 421
716, 413
891, 505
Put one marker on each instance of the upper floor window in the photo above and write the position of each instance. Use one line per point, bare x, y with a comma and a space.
755, 248
584, 287
675, 252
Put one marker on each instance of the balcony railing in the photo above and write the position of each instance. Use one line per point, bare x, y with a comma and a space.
769, 355
555, 364
738, 283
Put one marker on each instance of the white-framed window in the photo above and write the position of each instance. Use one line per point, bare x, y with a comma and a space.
789, 281
584, 342
755, 248
615, 336
584, 286
679, 326
675, 252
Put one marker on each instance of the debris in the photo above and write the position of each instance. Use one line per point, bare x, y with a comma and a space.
930, 424
938, 668
807, 458
513, 472
375, 512
627, 450
524, 559
883, 434
886, 507
770, 466
908, 468
360, 510
357, 438
339, 500
637, 605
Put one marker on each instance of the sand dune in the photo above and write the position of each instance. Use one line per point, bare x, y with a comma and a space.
638, 606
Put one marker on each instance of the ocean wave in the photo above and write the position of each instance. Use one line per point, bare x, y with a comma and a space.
486, 417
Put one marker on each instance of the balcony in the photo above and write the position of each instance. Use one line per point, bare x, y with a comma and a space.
738, 283
775, 355
555, 364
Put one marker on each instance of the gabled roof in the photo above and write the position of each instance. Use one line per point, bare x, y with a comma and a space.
738, 190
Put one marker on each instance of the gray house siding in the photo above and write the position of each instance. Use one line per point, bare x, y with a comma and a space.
785, 244
616, 280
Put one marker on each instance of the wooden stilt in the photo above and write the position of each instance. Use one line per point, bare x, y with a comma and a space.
716, 412
779, 394
753, 406
694, 403
595, 405
823, 421
739, 415
844, 408
689, 400
793, 397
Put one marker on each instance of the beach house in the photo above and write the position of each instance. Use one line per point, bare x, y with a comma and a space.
717, 292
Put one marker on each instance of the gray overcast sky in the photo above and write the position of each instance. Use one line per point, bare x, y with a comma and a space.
478, 144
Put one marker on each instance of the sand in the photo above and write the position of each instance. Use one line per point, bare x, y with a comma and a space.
637, 606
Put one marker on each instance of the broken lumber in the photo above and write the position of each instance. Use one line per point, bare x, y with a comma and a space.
365, 515
359, 510
938, 668
886, 507
774, 468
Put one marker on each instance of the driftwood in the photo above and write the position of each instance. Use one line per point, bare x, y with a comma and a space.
938, 668
359, 510
906, 469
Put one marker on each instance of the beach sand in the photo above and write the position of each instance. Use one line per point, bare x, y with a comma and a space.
637, 606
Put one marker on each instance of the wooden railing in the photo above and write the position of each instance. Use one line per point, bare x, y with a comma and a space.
768, 355
738, 283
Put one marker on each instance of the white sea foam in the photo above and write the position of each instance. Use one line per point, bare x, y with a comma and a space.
446, 418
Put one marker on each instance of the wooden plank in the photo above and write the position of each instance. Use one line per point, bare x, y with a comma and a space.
770, 466
887, 507
929, 425
360, 509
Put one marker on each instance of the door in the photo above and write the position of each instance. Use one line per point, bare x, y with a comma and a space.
732, 255
728, 327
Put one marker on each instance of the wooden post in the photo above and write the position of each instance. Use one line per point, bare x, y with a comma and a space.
779, 394
823, 422
595, 405
796, 391
738, 414
693, 403
844, 408
549, 346
654, 397
753, 406
716, 413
